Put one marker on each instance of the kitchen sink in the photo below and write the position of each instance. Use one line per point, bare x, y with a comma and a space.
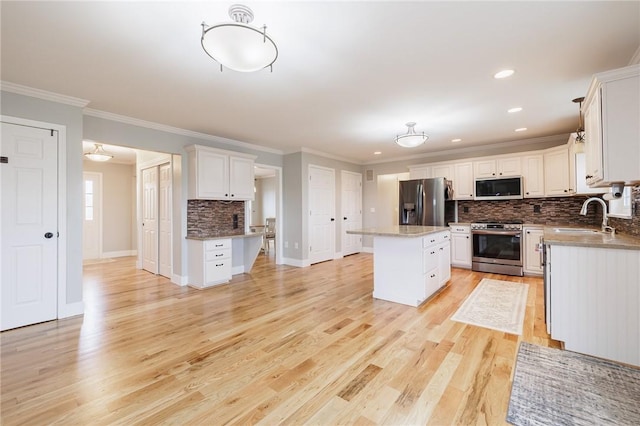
575, 231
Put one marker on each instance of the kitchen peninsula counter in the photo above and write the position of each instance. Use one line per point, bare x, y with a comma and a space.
594, 240
410, 263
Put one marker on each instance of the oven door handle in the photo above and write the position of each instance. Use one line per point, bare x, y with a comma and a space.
513, 233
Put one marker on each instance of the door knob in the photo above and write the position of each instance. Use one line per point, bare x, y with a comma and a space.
333, 219
345, 218
48, 235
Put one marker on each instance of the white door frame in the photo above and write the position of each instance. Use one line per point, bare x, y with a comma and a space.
279, 210
343, 225
100, 208
65, 309
310, 261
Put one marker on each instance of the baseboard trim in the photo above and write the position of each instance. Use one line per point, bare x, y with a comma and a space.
121, 253
235, 270
338, 255
367, 249
298, 263
179, 280
70, 310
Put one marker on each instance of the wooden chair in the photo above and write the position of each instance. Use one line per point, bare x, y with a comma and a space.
269, 233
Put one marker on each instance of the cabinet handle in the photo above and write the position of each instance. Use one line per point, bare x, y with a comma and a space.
219, 264
467, 237
219, 255
588, 177
219, 245
433, 252
226, 195
527, 193
233, 195
566, 190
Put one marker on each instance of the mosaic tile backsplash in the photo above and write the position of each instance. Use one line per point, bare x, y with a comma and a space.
629, 226
211, 217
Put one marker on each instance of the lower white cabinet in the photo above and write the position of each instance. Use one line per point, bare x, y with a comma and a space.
595, 300
461, 247
209, 262
532, 250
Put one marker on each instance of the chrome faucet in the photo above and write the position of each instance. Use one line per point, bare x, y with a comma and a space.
605, 218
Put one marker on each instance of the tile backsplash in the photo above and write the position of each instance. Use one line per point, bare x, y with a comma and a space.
629, 226
211, 217
543, 211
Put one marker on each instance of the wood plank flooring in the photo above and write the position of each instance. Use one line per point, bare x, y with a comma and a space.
280, 345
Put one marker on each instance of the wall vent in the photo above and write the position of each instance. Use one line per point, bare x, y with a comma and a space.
369, 175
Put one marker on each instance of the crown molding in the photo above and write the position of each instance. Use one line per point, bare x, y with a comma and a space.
175, 130
327, 155
562, 138
42, 94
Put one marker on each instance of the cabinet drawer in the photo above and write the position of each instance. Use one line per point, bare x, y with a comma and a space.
431, 283
434, 239
217, 244
210, 255
429, 259
217, 271
461, 229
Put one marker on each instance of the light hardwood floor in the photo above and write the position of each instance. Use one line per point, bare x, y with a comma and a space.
280, 345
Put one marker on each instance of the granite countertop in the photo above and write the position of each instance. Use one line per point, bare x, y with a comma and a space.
595, 239
405, 231
223, 235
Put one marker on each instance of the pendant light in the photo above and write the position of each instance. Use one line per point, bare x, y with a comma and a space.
411, 139
238, 45
98, 154
580, 129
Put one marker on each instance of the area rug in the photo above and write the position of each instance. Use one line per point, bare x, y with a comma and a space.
498, 305
556, 387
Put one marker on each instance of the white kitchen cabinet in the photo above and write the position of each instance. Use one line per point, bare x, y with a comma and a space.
461, 246
209, 262
463, 183
420, 172
612, 127
442, 170
595, 300
532, 250
556, 172
533, 175
220, 175
503, 166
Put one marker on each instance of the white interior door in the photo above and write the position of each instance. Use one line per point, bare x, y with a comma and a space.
321, 214
351, 211
164, 218
150, 219
28, 225
92, 223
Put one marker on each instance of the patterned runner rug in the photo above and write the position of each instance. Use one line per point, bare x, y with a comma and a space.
556, 387
498, 305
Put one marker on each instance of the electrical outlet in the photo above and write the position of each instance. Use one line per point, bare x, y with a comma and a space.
286, 244
295, 246
465, 209
536, 208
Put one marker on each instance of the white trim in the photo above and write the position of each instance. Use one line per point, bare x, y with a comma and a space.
175, 130
159, 161
366, 249
120, 253
63, 306
561, 139
180, 280
71, 310
238, 269
326, 155
337, 255
298, 263
279, 210
42, 94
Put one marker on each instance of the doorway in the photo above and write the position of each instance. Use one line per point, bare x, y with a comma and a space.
321, 214
267, 204
92, 215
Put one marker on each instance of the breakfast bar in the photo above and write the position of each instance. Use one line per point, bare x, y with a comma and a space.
410, 263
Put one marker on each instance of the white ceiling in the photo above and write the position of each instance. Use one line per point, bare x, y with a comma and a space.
349, 74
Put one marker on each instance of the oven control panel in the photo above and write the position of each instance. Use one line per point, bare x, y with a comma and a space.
497, 226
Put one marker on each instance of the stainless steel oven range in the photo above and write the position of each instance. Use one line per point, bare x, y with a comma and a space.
497, 247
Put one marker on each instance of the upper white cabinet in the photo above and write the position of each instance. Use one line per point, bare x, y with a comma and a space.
216, 174
578, 169
463, 181
533, 175
442, 170
612, 127
506, 166
556, 172
420, 172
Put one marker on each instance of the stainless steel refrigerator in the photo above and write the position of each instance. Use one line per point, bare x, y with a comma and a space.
423, 201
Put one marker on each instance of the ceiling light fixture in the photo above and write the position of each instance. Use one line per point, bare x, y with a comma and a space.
516, 109
411, 139
580, 129
377, 153
521, 129
238, 45
456, 140
503, 74
98, 154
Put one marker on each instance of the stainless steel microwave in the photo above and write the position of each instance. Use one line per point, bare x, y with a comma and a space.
501, 188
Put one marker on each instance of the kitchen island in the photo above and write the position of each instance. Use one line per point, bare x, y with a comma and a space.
410, 263
215, 257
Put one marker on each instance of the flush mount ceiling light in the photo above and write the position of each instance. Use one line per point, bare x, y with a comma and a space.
580, 129
515, 109
238, 45
503, 74
98, 154
411, 139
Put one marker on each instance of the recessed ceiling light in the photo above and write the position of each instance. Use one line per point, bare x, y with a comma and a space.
377, 153
521, 129
503, 74
456, 140
516, 109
